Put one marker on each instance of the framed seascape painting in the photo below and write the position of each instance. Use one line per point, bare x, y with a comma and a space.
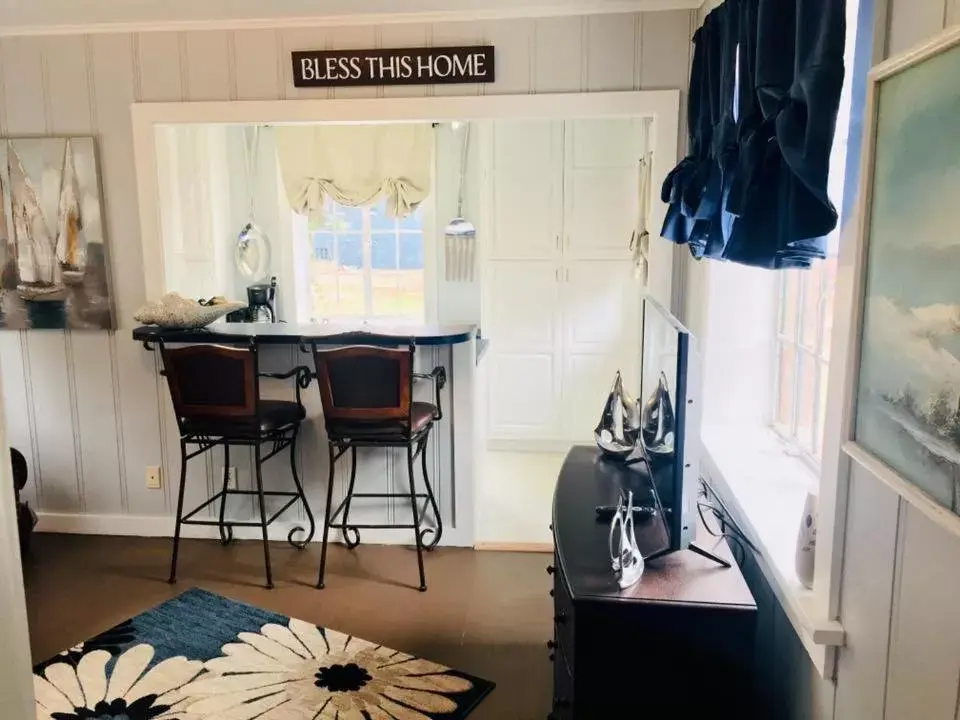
908, 389
54, 265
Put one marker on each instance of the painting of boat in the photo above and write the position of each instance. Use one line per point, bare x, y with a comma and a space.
71, 244
54, 271
39, 271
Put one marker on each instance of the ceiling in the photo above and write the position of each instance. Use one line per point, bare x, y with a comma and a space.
50, 17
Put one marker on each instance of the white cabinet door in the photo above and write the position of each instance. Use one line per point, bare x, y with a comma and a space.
523, 324
601, 320
601, 306
601, 186
527, 189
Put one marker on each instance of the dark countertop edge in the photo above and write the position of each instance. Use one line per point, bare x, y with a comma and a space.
283, 336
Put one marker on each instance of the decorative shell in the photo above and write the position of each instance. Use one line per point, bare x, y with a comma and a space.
175, 311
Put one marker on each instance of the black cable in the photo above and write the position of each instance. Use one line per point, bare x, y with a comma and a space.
723, 515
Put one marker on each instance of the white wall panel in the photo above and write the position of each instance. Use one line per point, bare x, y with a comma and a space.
207, 65
302, 39
558, 60
869, 564
515, 48
661, 35
95, 401
158, 67
256, 62
925, 632
610, 52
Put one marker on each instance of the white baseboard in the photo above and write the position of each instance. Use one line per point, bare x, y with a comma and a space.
161, 526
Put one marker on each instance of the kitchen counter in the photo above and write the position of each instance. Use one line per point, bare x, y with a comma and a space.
319, 333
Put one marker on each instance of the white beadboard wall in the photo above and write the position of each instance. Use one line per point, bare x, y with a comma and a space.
89, 410
900, 580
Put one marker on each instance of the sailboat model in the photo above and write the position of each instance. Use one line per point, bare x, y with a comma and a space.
71, 243
37, 265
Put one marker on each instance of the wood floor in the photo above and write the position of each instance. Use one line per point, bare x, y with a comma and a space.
486, 613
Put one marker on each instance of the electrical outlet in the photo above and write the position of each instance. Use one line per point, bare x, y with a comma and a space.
153, 477
231, 477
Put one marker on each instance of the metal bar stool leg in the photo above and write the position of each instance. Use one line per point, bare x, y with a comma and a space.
303, 497
438, 532
326, 517
263, 516
351, 544
416, 517
176, 531
226, 531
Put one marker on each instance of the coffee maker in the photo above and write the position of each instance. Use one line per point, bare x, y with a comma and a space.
261, 302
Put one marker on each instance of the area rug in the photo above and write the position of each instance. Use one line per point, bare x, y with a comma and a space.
200, 656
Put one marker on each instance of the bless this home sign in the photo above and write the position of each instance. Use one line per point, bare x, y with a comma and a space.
407, 66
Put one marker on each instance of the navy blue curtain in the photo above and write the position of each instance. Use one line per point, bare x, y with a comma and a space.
762, 111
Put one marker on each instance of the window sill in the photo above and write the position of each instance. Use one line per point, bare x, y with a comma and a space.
765, 489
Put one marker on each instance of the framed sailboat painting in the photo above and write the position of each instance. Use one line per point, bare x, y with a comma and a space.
54, 264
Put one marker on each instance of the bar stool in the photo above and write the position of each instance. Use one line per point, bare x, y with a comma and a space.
216, 398
367, 402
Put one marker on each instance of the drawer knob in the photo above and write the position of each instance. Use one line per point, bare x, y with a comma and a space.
551, 569
551, 527
551, 644
560, 618
552, 593
552, 657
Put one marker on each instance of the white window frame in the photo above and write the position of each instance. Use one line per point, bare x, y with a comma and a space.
366, 240
817, 353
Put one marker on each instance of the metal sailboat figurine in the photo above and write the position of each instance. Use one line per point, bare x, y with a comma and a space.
71, 243
37, 266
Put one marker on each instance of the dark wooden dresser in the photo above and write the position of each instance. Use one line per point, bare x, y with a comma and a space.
680, 641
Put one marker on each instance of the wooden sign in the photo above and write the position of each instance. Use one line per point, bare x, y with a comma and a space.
401, 66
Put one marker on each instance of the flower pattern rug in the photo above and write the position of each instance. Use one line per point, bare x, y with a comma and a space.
200, 656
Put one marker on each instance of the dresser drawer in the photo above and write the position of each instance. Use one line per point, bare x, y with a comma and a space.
563, 616
562, 705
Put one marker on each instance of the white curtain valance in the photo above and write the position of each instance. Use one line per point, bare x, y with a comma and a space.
355, 165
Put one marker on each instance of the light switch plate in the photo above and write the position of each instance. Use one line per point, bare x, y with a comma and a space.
153, 477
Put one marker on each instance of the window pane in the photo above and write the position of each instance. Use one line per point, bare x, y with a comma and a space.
790, 303
785, 385
379, 220
350, 249
807, 400
323, 246
324, 290
410, 299
413, 221
350, 287
386, 293
411, 252
811, 305
383, 251
830, 280
822, 409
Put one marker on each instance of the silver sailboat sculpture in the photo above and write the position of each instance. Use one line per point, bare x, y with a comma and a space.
71, 243
37, 265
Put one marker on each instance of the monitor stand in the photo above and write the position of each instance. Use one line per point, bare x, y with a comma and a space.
697, 550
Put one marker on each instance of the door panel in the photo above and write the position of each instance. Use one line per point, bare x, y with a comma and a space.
601, 181
605, 142
527, 189
522, 300
523, 398
601, 306
587, 380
